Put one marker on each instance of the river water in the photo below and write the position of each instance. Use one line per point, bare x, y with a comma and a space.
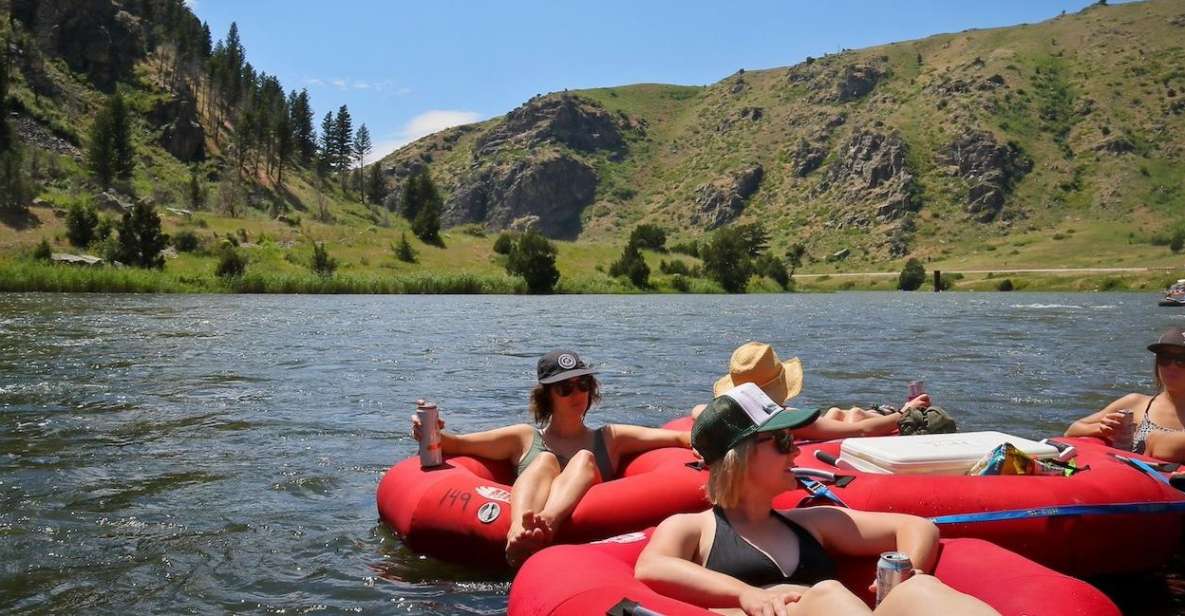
207, 454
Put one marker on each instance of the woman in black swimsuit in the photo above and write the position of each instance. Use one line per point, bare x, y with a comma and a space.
1158, 420
744, 554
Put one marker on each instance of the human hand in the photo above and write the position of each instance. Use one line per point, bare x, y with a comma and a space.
761, 602
1108, 424
416, 424
920, 402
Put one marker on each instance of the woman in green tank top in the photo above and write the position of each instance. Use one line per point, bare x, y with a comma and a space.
560, 457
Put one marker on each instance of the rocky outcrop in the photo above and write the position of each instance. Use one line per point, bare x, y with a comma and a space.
182, 134
743, 116
871, 168
722, 200
554, 187
1116, 145
950, 87
856, 81
807, 157
568, 120
97, 38
991, 170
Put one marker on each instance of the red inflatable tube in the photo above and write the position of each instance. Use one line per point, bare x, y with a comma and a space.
460, 512
1010, 583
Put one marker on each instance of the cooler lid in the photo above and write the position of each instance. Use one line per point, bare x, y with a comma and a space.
936, 452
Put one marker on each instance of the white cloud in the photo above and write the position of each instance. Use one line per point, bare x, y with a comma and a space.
421, 126
340, 84
192, 4
361, 85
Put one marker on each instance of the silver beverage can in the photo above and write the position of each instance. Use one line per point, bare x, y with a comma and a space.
1122, 437
430, 453
916, 388
892, 569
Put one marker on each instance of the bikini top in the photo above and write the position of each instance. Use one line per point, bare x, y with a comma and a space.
732, 555
600, 453
1147, 426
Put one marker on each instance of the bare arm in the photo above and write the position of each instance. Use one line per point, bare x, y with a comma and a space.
1103, 423
824, 429
865, 533
628, 439
668, 565
507, 443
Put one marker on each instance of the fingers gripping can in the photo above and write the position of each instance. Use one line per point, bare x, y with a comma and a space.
916, 388
892, 569
1122, 437
430, 454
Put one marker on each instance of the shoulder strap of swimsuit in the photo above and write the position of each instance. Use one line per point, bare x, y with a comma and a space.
601, 454
1150, 400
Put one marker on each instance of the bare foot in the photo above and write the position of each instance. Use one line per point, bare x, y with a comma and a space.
527, 536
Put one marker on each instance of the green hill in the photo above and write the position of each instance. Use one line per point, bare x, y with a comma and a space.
1057, 144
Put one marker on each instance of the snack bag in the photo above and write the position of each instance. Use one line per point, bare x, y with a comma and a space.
1003, 460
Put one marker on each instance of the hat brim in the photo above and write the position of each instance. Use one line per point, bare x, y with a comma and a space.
789, 419
779, 390
565, 375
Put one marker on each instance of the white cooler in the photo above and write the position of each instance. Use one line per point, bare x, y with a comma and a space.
930, 454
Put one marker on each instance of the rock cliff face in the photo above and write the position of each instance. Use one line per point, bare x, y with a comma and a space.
182, 134
97, 38
566, 120
989, 168
554, 187
871, 169
721, 200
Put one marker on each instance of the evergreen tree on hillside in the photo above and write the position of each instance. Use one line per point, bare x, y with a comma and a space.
328, 153
14, 189
343, 133
409, 198
302, 127
426, 223
80, 225
110, 153
375, 187
361, 148
727, 258
140, 237
533, 258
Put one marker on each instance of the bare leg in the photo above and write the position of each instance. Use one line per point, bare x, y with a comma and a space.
528, 497
925, 595
831, 598
566, 491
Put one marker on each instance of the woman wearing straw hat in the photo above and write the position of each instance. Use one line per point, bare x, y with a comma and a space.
1152, 425
558, 461
757, 363
744, 554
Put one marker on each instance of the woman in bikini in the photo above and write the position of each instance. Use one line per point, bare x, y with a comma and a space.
744, 554
560, 458
1159, 419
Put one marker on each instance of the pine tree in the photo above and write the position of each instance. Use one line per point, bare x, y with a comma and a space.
533, 258
80, 225
403, 251
328, 152
361, 148
427, 206
140, 237
375, 188
121, 132
100, 153
14, 189
343, 132
302, 128
409, 198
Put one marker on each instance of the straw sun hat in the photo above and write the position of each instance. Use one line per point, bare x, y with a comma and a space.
757, 363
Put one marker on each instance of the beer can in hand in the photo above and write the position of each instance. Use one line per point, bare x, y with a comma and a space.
1122, 437
430, 453
916, 388
892, 569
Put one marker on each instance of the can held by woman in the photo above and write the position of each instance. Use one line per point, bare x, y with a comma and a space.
916, 388
892, 569
1121, 438
430, 453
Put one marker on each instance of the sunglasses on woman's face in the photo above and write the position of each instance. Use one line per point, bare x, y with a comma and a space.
1164, 359
783, 441
565, 388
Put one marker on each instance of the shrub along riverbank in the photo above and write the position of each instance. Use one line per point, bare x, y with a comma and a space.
23, 275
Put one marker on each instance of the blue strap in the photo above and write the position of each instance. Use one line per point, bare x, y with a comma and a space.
818, 489
1058, 511
1147, 468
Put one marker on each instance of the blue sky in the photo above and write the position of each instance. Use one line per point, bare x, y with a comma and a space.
408, 69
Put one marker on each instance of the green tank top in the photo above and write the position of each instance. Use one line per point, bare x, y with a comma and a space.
600, 454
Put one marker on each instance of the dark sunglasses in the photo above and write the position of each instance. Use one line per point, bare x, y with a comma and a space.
783, 441
1164, 359
565, 388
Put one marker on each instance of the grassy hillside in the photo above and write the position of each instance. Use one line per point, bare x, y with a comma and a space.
1093, 102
